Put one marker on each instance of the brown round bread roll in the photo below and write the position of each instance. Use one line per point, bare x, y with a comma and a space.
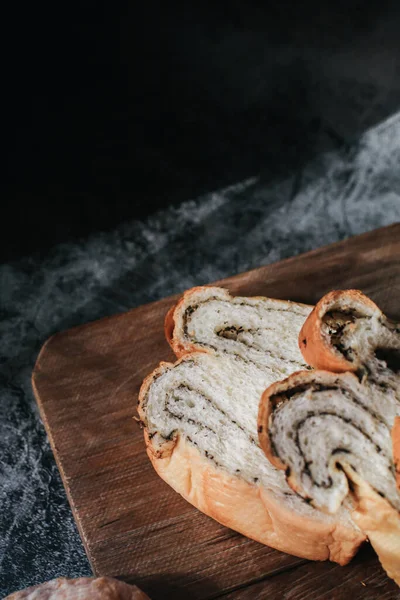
83, 588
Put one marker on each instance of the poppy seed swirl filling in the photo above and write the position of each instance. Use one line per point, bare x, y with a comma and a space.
371, 341
321, 433
213, 405
203, 402
257, 330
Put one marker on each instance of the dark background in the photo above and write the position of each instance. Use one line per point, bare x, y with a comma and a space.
112, 112
115, 110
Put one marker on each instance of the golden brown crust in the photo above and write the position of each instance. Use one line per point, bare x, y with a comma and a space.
251, 509
100, 588
169, 325
177, 346
268, 400
315, 344
381, 523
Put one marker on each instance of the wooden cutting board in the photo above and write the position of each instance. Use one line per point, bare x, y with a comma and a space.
132, 524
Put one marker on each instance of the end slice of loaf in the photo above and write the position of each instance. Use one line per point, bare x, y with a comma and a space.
337, 435
200, 420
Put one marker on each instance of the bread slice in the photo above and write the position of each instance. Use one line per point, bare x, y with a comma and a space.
200, 420
336, 435
346, 331
259, 330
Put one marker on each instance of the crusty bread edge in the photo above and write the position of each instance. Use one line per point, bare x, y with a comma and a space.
250, 509
381, 522
315, 345
247, 508
177, 346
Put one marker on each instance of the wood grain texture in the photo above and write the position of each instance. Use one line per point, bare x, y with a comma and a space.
133, 525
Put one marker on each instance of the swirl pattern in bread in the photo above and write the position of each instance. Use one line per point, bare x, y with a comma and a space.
336, 435
200, 420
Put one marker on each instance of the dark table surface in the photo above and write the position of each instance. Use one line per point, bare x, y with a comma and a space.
117, 112
287, 124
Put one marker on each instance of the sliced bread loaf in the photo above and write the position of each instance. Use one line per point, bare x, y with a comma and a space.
337, 435
200, 420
